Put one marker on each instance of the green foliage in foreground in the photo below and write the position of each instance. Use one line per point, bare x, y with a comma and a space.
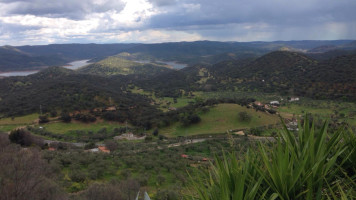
308, 165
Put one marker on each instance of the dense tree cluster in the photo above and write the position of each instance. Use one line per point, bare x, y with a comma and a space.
25, 138
25, 175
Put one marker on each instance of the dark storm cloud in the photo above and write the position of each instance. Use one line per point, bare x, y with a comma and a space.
276, 12
6, 28
175, 20
72, 9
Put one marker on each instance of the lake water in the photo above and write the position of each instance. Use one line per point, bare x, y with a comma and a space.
73, 66
173, 64
77, 64
18, 73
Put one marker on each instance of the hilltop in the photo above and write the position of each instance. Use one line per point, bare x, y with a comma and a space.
191, 53
13, 59
65, 90
114, 65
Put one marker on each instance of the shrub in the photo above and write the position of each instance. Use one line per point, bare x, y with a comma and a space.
244, 116
65, 117
43, 119
308, 166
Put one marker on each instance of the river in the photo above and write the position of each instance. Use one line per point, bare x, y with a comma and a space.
72, 65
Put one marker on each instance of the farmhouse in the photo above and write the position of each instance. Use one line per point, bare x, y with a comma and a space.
103, 149
129, 136
274, 103
294, 99
184, 156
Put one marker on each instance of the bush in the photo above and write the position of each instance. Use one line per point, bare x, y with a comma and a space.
188, 119
77, 176
244, 116
65, 117
167, 195
303, 167
155, 132
25, 138
43, 119
256, 131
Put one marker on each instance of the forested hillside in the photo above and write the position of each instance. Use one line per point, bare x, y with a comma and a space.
292, 73
114, 65
13, 59
62, 89
203, 52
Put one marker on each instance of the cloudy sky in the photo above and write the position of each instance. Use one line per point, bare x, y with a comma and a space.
151, 21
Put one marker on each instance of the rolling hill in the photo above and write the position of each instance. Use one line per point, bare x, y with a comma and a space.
293, 73
203, 52
114, 65
13, 59
56, 88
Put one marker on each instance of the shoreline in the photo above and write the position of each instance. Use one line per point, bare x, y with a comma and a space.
26, 72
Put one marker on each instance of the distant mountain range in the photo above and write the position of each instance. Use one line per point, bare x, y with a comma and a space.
293, 73
204, 52
330, 76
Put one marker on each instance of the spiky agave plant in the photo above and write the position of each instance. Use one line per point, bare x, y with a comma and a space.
230, 179
302, 166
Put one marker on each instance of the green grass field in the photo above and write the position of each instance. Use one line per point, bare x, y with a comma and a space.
24, 120
181, 102
66, 128
7, 128
301, 110
165, 102
8, 124
219, 119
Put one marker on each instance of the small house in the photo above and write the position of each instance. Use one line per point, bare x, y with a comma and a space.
241, 133
274, 103
294, 99
184, 156
257, 103
172, 108
94, 150
112, 108
51, 149
103, 149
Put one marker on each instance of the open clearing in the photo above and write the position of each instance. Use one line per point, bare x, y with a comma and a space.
67, 128
219, 119
23, 120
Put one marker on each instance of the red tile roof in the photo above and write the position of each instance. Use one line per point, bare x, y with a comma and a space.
103, 149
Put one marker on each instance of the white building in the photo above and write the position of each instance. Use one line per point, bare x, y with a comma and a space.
274, 103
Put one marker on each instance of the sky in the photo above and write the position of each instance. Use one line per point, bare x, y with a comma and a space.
34, 22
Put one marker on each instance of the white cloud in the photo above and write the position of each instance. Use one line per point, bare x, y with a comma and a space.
45, 21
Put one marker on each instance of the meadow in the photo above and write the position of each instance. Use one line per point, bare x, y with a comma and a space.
219, 119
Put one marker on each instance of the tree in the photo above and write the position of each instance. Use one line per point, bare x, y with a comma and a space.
43, 119
256, 131
24, 138
167, 195
160, 179
53, 113
190, 118
155, 132
103, 192
90, 145
77, 175
24, 174
129, 188
65, 117
111, 145
244, 116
